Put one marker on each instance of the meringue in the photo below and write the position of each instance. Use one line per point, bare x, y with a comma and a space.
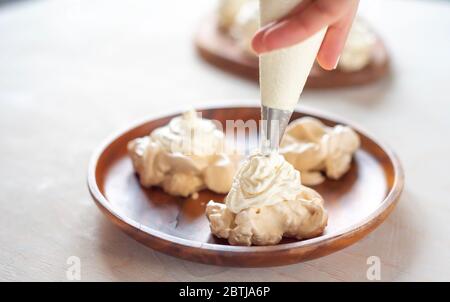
357, 52
266, 203
227, 11
184, 157
245, 25
312, 148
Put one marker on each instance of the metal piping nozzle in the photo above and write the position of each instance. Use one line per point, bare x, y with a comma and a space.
274, 123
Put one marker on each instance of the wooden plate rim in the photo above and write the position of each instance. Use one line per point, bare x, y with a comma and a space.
391, 198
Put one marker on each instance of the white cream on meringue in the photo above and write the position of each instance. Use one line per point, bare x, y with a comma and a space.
267, 202
263, 180
184, 157
190, 135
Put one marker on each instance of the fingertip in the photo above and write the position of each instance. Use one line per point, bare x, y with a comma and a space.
258, 42
267, 40
325, 64
329, 54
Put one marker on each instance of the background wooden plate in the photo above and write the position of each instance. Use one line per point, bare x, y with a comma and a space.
357, 203
219, 49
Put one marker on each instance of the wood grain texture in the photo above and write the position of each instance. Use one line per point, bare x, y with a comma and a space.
356, 204
218, 48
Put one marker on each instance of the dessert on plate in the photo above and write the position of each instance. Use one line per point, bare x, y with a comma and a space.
267, 197
316, 149
267, 202
185, 156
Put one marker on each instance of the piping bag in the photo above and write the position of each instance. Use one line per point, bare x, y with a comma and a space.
282, 75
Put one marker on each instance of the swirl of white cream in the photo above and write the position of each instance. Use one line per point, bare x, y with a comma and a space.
185, 156
190, 135
263, 180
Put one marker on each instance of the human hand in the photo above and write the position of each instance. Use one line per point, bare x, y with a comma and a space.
305, 20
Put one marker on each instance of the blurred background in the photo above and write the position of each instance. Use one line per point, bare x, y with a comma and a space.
85, 63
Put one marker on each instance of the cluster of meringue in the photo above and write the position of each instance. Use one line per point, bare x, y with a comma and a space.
240, 18
184, 157
314, 148
267, 197
266, 203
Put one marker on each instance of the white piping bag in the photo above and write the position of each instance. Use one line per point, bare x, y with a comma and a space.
283, 74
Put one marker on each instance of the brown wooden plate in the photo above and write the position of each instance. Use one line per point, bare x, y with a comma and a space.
356, 204
218, 48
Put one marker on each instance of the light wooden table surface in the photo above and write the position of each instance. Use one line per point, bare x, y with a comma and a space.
72, 72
